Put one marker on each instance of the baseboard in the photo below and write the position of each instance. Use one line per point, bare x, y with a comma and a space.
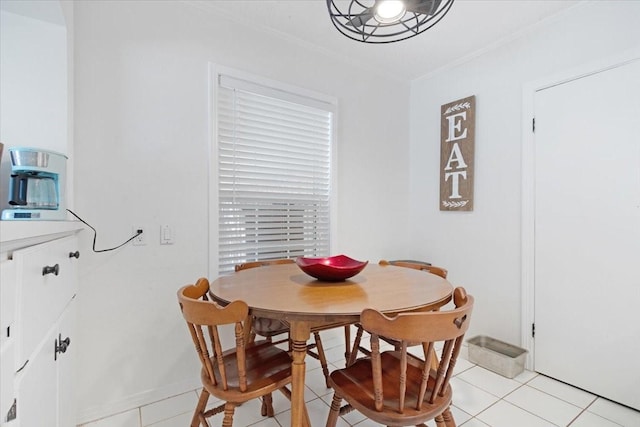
134, 401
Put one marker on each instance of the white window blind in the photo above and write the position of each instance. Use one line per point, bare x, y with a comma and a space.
274, 173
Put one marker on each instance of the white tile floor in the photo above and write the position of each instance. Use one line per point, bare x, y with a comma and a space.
481, 398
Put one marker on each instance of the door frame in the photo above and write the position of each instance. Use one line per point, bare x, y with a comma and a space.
527, 282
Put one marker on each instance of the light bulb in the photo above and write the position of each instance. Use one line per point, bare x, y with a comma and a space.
389, 11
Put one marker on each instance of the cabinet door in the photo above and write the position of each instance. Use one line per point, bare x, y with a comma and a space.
45, 386
36, 386
65, 363
8, 278
7, 394
7, 342
46, 283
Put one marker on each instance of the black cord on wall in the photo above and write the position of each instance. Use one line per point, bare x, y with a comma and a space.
95, 235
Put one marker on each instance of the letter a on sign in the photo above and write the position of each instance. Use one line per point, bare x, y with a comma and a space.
457, 146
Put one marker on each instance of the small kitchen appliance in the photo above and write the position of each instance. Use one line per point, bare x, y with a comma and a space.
36, 185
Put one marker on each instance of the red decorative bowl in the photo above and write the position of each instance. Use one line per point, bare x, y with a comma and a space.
331, 269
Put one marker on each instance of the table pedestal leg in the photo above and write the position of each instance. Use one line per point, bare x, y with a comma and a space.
299, 337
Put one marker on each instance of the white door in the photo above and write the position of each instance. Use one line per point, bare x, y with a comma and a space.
587, 233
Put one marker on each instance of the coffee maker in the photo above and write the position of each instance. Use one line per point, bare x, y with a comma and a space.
37, 185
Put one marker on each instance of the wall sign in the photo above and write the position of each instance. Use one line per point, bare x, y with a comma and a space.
457, 146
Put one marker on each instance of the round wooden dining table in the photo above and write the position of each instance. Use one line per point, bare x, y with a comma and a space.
286, 292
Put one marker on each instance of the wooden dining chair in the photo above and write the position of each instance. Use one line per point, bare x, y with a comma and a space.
416, 265
398, 388
239, 374
269, 328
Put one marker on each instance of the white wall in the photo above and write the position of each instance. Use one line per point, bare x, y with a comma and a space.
33, 81
481, 249
141, 157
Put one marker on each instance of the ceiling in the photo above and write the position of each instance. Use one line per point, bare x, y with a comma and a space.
470, 27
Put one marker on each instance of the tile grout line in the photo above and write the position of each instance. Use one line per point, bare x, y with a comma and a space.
585, 410
595, 396
500, 399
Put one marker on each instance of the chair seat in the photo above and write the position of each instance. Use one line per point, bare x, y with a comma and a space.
356, 382
267, 368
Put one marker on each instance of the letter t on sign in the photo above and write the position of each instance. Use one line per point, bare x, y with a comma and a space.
457, 147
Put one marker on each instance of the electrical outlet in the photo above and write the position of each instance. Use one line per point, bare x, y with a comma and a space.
141, 239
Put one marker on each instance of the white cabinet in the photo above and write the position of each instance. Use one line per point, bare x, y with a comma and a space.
44, 386
7, 343
39, 283
46, 283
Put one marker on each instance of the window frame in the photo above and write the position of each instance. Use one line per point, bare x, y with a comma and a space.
216, 72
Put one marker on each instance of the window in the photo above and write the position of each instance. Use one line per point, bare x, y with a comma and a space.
273, 159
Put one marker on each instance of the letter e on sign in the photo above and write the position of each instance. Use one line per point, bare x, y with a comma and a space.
457, 147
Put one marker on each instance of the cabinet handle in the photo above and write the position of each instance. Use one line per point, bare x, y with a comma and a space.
61, 346
48, 270
75, 254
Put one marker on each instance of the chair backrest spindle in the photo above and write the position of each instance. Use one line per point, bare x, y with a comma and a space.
427, 328
376, 371
403, 377
240, 350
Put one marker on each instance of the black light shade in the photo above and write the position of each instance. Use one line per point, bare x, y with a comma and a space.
363, 20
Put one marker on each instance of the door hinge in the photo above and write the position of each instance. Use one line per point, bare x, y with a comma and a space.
533, 125
533, 330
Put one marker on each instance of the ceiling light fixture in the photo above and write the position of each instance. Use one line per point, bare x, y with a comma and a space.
388, 12
386, 21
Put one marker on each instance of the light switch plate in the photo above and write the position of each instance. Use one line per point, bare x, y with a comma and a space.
167, 235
